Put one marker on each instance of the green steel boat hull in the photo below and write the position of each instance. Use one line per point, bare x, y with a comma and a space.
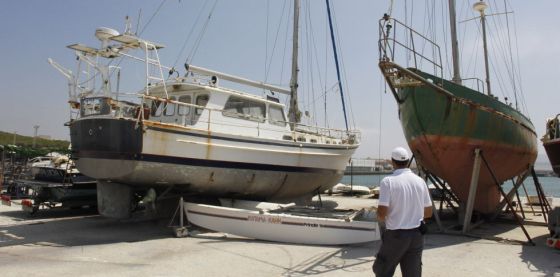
444, 129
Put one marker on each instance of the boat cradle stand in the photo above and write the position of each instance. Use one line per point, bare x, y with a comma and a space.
181, 230
448, 197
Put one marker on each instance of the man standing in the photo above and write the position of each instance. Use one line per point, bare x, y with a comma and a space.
404, 201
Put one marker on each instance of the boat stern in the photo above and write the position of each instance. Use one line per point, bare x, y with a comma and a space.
105, 148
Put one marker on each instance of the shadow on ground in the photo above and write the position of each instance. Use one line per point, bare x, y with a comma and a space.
343, 258
540, 258
76, 228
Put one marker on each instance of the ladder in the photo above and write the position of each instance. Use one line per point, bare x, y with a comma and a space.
154, 71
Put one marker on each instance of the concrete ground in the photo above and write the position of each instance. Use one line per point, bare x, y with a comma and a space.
80, 243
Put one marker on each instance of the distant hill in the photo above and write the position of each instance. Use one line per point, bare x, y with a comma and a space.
25, 141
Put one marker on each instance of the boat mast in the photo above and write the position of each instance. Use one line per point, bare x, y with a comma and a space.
336, 63
454, 43
294, 114
480, 7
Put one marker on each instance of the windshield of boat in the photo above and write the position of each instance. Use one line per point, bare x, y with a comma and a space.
95, 106
243, 108
276, 115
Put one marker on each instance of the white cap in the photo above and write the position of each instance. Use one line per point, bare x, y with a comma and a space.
399, 154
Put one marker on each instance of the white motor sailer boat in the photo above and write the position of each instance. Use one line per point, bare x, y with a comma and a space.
191, 134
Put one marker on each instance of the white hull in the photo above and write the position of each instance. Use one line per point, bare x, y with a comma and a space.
282, 227
218, 164
201, 144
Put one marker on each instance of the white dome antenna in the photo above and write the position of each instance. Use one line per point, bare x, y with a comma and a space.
480, 6
104, 33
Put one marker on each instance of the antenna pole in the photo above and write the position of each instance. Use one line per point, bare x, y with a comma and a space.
480, 7
138, 22
36, 127
486, 63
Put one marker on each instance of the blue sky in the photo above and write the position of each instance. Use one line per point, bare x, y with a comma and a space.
236, 42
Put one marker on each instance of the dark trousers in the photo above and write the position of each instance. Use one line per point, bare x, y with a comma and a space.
400, 246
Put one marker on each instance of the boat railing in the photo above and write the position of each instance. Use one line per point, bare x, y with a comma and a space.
399, 44
347, 136
479, 84
303, 133
106, 106
552, 128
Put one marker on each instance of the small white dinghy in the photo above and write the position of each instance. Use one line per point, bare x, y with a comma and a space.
356, 190
286, 223
340, 188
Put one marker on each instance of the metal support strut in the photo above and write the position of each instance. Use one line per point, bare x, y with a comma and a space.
447, 196
472, 190
181, 230
510, 206
434, 208
545, 206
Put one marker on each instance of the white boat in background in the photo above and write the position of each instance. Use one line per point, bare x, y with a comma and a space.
190, 134
35, 163
348, 189
356, 190
292, 224
339, 188
375, 191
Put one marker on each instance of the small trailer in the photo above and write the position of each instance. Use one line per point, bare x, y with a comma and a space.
36, 194
554, 228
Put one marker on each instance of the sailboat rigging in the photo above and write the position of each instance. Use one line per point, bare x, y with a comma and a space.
445, 122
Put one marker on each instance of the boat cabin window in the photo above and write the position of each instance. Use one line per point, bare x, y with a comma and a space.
158, 107
95, 106
243, 108
182, 109
161, 107
170, 110
276, 115
201, 100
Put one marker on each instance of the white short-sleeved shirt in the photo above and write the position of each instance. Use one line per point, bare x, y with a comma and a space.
405, 194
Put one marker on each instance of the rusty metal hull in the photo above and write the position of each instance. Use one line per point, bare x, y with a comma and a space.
446, 122
202, 162
552, 148
451, 158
